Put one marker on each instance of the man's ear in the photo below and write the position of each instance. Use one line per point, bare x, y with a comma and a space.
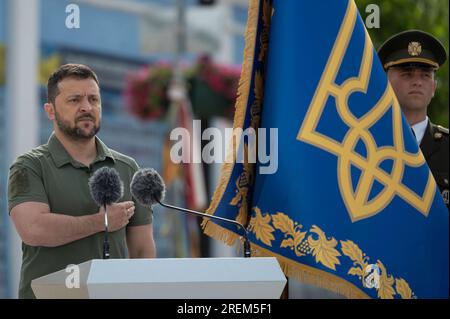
435, 87
50, 110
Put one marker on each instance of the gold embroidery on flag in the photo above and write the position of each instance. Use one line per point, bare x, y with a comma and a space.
325, 250
356, 201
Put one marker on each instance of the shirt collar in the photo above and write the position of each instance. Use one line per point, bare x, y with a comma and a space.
62, 157
419, 129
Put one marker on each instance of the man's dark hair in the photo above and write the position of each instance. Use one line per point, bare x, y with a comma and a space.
77, 71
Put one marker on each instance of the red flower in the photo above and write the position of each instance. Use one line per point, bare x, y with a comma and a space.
146, 90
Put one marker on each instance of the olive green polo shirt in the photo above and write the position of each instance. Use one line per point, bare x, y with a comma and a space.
48, 174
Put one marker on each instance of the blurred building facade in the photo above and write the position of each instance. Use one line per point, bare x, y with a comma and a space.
3, 215
115, 37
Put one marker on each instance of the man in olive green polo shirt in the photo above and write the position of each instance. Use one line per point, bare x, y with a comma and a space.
48, 193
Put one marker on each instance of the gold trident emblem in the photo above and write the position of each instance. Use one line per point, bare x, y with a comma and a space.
356, 201
414, 48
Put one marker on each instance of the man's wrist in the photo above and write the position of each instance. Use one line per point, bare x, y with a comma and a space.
98, 222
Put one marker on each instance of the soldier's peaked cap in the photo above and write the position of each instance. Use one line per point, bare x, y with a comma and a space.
412, 46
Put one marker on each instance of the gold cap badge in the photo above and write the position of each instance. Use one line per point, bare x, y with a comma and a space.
414, 48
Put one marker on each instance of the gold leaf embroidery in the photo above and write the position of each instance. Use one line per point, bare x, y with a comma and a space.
385, 291
259, 86
242, 216
287, 243
264, 40
240, 199
324, 249
403, 288
261, 227
255, 109
236, 199
243, 182
290, 229
356, 271
283, 223
248, 166
351, 250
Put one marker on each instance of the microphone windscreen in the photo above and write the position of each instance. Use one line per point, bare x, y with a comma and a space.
105, 186
147, 186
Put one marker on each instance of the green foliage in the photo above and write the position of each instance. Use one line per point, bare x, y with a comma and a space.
427, 15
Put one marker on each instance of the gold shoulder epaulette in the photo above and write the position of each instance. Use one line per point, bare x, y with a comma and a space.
442, 129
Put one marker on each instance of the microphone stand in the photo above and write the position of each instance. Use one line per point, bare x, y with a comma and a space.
106, 242
247, 251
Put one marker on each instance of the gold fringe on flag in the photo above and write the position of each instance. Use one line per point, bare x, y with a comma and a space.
210, 229
312, 276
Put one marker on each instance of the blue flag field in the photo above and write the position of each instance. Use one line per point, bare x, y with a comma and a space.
352, 206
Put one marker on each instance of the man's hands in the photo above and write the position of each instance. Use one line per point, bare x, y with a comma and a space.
119, 214
37, 226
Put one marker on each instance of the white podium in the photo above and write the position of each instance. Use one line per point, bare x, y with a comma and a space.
171, 278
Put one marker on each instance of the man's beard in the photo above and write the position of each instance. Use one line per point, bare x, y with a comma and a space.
75, 132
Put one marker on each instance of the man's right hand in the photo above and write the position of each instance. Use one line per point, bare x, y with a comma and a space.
119, 214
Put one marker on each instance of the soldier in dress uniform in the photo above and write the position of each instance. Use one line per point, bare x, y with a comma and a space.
411, 59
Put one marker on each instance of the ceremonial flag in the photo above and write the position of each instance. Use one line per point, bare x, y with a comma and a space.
352, 205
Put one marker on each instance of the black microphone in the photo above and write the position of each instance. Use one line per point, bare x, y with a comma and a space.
148, 188
106, 188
